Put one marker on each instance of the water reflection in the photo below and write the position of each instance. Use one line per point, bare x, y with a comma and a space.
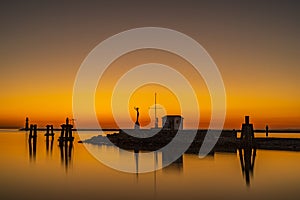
136, 159
247, 160
175, 167
218, 177
66, 148
32, 148
49, 143
246, 154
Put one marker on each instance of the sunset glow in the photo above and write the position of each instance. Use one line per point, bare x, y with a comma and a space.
258, 61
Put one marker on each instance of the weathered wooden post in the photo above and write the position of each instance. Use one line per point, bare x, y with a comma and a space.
30, 132
32, 140
267, 131
69, 134
62, 134
247, 134
47, 131
34, 131
26, 124
247, 160
66, 143
52, 133
52, 139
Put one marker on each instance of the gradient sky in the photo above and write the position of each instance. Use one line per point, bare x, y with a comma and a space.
256, 46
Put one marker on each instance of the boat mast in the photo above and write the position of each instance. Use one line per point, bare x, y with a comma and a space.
156, 119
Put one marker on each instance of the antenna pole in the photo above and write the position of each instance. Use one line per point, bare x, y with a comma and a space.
156, 120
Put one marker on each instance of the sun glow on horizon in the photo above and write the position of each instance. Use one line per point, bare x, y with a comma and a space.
45, 103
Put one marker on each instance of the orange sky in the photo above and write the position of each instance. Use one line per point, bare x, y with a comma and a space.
255, 46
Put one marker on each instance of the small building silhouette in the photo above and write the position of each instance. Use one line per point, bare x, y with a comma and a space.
172, 122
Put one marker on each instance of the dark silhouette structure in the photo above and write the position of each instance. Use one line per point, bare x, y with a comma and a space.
66, 143
27, 124
49, 132
247, 134
172, 122
32, 141
66, 132
247, 150
137, 124
33, 131
267, 131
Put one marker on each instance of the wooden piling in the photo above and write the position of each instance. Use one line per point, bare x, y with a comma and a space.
66, 132
247, 134
49, 131
26, 124
32, 141
33, 131
30, 131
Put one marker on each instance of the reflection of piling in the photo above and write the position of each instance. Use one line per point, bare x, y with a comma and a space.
49, 143
32, 141
66, 148
247, 159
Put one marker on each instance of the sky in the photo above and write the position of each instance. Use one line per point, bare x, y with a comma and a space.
255, 45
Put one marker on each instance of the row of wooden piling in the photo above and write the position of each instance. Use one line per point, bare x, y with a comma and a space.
65, 140
65, 135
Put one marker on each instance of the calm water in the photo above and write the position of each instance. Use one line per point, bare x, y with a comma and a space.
51, 174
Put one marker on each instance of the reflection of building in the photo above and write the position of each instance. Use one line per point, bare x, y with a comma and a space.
170, 162
172, 122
